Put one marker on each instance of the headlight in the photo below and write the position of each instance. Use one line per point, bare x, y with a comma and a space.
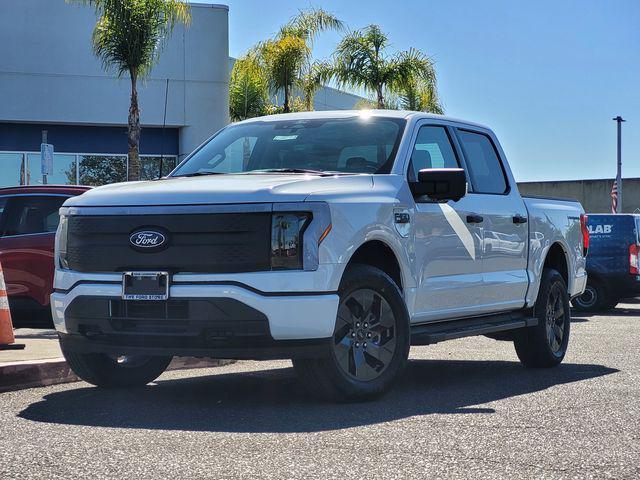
61, 242
287, 231
297, 230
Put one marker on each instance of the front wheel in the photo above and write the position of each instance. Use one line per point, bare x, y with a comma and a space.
115, 371
370, 344
545, 344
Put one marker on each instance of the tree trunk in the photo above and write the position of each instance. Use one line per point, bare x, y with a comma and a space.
286, 108
246, 153
133, 172
380, 97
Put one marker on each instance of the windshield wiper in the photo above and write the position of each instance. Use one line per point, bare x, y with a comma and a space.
290, 170
198, 174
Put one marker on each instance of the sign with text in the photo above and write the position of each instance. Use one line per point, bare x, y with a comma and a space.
46, 158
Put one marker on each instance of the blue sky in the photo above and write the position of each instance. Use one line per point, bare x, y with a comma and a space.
547, 76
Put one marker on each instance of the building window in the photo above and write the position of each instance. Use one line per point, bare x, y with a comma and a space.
96, 170
64, 169
13, 169
150, 167
23, 168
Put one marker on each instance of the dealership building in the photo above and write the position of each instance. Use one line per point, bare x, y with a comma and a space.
52, 84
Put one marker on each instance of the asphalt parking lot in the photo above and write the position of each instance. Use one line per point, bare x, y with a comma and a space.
464, 409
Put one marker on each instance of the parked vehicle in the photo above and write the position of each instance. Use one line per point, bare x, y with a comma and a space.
28, 222
337, 239
612, 264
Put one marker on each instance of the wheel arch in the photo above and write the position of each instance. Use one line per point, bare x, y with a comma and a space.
558, 259
555, 256
378, 253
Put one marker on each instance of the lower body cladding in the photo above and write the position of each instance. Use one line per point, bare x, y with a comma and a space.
222, 321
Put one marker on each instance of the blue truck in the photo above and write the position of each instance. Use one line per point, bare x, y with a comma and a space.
612, 263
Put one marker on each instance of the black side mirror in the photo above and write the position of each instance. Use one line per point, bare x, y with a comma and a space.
440, 184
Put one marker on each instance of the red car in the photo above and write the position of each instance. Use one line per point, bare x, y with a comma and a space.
28, 223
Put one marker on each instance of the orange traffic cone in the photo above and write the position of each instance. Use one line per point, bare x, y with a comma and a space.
6, 325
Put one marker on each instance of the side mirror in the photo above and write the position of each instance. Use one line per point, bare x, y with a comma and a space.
440, 184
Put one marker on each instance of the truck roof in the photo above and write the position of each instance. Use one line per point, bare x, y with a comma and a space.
356, 113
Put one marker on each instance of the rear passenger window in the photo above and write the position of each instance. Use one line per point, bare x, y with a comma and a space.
31, 214
432, 150
485, 170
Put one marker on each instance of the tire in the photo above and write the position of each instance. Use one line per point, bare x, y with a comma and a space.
593, 299
545, 345
106, 371
371, 340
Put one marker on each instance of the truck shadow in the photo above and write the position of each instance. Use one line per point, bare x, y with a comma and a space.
273, 401
614, 312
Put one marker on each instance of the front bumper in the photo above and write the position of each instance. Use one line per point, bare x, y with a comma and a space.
200, 319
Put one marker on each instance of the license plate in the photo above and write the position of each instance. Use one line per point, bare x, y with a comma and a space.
145, 286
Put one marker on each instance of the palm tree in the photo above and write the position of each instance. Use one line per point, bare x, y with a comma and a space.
248, 89
360, 61
420, 96
284, 59
310, 82
128, 37
287, 57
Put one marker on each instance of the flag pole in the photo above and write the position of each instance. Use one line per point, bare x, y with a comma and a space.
619, 120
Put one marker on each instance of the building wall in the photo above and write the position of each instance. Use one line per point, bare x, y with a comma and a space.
48, 73
328, 98
594, 195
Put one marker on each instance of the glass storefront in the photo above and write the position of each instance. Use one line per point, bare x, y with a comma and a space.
23, 168
96, 170
64, 169
156, 167
13, 169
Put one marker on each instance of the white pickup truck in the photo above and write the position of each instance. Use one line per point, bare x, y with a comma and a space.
336, 239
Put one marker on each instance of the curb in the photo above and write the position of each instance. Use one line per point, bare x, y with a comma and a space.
42, 373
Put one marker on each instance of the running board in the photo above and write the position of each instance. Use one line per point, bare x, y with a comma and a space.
429, 333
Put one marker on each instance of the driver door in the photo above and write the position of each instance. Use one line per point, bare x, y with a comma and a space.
447, 237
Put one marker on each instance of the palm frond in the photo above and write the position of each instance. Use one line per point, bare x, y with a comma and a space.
359, 60
284, 59
310, 82
308, 24
130, 34
248, 89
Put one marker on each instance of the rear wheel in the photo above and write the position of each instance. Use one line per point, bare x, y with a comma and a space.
593, 299
545, 344
116, 371
370, 344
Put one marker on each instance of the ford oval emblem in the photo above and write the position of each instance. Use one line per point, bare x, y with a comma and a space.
147, 239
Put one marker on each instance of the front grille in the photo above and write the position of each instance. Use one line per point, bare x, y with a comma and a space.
211, 242
203, 321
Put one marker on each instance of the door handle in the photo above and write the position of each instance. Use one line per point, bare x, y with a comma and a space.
519, 219
473, 218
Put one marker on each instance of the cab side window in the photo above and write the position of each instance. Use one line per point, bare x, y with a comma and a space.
432, 150
31, 214
485, 170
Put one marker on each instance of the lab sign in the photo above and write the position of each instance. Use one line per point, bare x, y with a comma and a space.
46, 158
595, 229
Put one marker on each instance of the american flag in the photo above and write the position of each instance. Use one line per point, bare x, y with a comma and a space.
614, 197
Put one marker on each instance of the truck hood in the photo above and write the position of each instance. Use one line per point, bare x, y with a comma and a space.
220, 189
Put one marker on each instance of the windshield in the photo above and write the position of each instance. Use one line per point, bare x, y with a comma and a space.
349, 145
